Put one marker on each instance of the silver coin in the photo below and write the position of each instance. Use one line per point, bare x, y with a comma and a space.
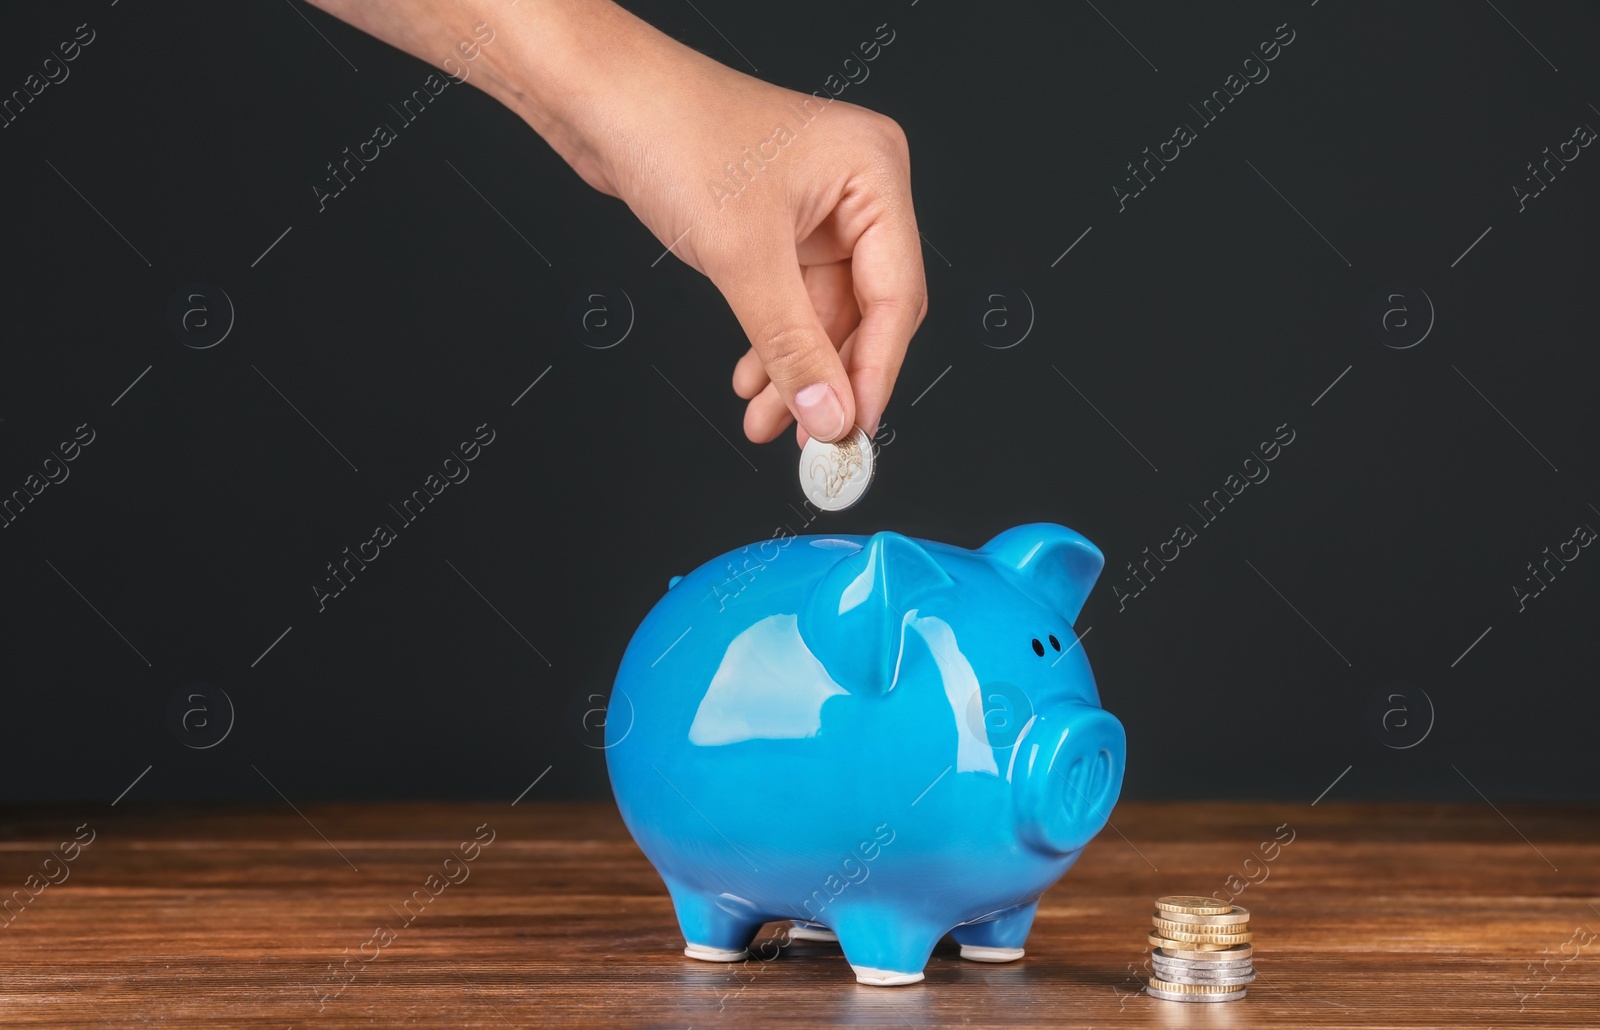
1161, 961
1219, 981
1160, 956
1198, 975
1172, 996
835, 476
1237, 953
1211, 958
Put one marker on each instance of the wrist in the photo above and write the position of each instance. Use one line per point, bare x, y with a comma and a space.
579, 72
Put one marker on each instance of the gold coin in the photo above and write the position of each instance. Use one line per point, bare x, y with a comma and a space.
1202, 953
1160, 921
1237, 917
1172, 988
1172, 947
1191, 939
1193, 905
1201, 935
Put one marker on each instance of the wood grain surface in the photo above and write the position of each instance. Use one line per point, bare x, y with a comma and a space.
1388, 916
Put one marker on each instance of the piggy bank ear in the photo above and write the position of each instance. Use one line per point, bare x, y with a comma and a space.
854, 619
1051, 564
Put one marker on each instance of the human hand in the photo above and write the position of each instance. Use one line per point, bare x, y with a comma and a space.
813, 242
799, 211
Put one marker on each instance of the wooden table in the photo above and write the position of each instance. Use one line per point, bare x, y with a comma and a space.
1396, 916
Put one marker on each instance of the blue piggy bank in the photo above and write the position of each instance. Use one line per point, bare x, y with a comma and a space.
878, 738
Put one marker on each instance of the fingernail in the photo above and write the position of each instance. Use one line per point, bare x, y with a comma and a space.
820, 411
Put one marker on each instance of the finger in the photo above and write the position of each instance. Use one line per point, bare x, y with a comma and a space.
828, 243
768, 296
845, 348
766, 416
833, 297
749, 375
893, 295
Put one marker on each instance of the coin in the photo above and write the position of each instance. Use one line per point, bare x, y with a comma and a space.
1175, 931
835, 476
1161, 960
1222, 982
1194, 905
1201, 953
1200, 935
1168, 945
1195, 973
1178, 988
1235, 980
1236, 917
1165, 995
1205, 942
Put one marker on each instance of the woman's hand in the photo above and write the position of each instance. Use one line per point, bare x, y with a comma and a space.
799, 210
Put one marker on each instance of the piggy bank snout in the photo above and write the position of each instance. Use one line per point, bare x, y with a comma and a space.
1071, 772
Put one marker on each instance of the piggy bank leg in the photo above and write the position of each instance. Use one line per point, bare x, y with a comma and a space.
996, 940
885, 947
806, 930
715, 929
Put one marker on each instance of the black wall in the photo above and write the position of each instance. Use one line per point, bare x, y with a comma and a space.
1273, 654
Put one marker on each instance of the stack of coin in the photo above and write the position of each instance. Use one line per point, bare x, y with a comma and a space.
1200, 950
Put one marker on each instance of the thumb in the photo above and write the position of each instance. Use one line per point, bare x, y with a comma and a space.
768, 295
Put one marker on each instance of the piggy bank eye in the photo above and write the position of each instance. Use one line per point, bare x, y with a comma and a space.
1054, 642
1038, 648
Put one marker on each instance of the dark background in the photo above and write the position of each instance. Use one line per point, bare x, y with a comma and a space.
409, 312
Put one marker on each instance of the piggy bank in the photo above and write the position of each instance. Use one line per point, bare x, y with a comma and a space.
876, 738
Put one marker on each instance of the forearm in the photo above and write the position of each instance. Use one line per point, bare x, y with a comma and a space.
559, 64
